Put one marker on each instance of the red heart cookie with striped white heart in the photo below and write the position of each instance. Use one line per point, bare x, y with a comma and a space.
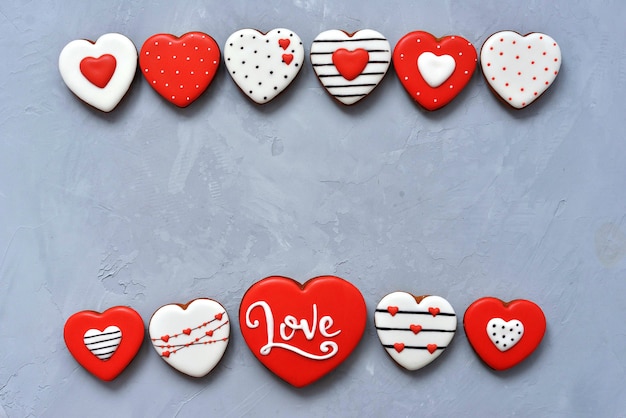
104, 343
179, 69
434, 70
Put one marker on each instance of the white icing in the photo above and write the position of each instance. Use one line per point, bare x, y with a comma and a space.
505, 334
199, 358
397, 329
114, 44
435, 70
516, 67
255, 61
290, 322
103, 344
346, 91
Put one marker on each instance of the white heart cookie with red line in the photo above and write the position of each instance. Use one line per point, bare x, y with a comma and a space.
99, 73
191, 338
520, 68
263, 65
414, 330
350, 66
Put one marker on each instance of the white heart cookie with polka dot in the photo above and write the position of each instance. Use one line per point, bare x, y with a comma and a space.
505, 334
520, 68
263, 65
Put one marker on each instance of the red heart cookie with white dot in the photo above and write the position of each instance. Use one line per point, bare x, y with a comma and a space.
104, 343
434, 70
520, 68
179, 69
504, 333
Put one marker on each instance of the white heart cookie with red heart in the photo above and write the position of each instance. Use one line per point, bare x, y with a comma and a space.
263, 65
99, 73
350, 66
520, 68
191, 338
414, 330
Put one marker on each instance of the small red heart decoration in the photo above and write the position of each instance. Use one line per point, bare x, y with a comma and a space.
399, 347
393, 310
284, 43
165, 338
179, 69
415, 328
187, 331
98, 70
490, 323
350, 64
104, 343
431, 348
287, 58
434, 311
302, 332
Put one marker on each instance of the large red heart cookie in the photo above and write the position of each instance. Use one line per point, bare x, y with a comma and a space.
179, 69
504, 333
104, 343
302, 332
434, 71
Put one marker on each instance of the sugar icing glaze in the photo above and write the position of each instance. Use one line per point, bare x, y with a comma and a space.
505, 334
350, 66
99, 73
520, 68
191, 338
414, 330
263, 65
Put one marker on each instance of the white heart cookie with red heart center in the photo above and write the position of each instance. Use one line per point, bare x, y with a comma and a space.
414, 330
520, 68
99, 73
505, 334
263, 65
350, 66
191, 338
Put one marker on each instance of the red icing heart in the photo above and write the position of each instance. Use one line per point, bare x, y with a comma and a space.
129, 323
165, 338
287, 58
218, 316
302, 332
399, 347
210, 332
431, 348
165, 354
350, 64
284, 43
98, 70
433, 311
405, 57
179, 69
415, 328
393, 310
187, 331
479, 313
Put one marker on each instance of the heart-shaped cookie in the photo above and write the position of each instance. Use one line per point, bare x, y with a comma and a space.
192, 338
504, 333
520, 68
302, 332
434, 70
414, 330
179, 69
350, 65
104, 343
263, 64
99, 73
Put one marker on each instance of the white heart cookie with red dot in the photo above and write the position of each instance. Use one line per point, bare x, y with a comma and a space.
99, 73
520, 68
263, 65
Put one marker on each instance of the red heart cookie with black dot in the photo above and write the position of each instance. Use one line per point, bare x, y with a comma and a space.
179, 69
434, 70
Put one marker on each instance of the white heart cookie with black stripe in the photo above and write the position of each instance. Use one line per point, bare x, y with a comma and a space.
350, 66
414, 330
263, 65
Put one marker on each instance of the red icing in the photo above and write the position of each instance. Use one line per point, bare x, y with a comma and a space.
399, 347
393, 310
165, 354
431, 348
187, 331
218, 316
98, 70
179, 69
350, 64
165, 338
209, 333
433, 311
415, 328
126, 319
479, 313
323, 313
405, 56
284, 43
287, 58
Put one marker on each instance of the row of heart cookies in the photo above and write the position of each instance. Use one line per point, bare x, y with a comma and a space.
301, 332
349, 65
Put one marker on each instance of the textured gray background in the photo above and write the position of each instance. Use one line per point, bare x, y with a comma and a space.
152, 204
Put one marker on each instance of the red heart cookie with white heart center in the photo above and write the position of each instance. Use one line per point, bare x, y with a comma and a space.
414, 330
191, 338
99, 73
104, 343
520, 68
179, 69
504, 333
434, 70
350, 65
302, 332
